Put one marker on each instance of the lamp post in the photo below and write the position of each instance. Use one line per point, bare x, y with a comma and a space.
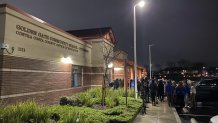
149, 46
141, 4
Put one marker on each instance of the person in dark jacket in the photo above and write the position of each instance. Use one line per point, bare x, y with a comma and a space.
160, 90
153, 91
116, 84
169, 92
180, 94
147, 90
173, 87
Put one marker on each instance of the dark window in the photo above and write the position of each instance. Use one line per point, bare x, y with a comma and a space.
76, 76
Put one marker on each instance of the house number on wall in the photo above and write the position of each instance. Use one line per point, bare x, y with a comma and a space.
21, 49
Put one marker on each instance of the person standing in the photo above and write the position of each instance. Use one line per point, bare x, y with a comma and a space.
193, 93
147, 90
116, 84
169, 92
187, 93
180, 94
143, 95
138, 86
153, 91
160, 90
173, 88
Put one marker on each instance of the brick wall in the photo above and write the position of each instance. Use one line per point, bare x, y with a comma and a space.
95, 74
44, 81
22, 75
45, 98
1, 59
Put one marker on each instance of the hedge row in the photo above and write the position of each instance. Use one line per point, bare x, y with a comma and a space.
31, 112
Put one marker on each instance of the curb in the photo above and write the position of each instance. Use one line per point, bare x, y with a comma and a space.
135, 115
178, 120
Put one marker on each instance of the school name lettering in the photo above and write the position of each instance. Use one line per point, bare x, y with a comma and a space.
43, 38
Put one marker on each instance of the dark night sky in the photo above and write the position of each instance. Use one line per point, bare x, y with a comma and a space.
179, 29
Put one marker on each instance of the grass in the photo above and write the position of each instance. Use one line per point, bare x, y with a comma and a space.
83, 112
28, 111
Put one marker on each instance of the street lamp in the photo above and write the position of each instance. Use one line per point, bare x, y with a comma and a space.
149, 46
140, 4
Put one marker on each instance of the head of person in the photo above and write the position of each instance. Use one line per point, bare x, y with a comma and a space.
185, 83
180, 83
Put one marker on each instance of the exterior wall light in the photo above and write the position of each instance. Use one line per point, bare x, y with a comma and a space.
110, 65
117, 68
66, 60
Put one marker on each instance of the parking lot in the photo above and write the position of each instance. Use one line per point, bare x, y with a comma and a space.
201, 114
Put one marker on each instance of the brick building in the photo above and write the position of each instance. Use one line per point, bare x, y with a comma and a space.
41, 61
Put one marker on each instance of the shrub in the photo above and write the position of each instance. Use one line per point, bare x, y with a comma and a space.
131, 93
95, 92
112, 98
64, 101
121, 92
93, 96
75, 101
25, 112
32, 112
67, 114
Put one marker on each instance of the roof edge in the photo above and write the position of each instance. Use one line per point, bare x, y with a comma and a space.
37, 19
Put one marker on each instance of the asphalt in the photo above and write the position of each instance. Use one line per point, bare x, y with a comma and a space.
201, 114
161, 113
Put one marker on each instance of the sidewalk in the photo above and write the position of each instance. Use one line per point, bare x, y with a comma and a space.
161, 113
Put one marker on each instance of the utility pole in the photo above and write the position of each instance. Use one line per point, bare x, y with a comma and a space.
150, 65
140, 4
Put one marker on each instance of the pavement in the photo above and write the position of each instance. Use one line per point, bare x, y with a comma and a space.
161, 113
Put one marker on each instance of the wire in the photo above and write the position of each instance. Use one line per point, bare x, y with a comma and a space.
12, 50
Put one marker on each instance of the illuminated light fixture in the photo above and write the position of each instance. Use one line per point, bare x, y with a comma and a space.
67, 60
118, 68
110, 65
141, 3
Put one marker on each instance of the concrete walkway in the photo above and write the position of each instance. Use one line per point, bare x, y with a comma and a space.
161, 113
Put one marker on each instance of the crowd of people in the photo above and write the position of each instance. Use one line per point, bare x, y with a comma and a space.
180, 94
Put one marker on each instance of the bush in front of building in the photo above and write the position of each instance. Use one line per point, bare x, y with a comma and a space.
32, 112
116, 110
93, 96
73, 101
24, 112
118, 114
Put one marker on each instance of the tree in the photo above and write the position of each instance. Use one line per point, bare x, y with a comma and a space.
109, 56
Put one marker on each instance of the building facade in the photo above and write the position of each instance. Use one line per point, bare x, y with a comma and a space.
41, 61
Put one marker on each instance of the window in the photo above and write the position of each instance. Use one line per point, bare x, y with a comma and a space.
76, 76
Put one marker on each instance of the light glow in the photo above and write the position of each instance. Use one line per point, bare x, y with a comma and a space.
141, 3
117, 68
67, 60
110, 65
